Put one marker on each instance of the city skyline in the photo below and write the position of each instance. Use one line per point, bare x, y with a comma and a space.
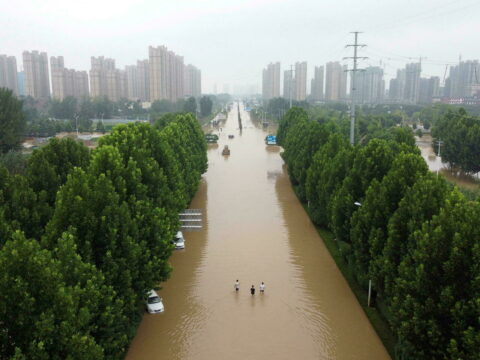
213, 36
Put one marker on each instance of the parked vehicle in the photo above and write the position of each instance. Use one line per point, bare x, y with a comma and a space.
154, 303
179, 240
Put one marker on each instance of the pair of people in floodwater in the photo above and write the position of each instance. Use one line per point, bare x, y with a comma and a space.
252, 289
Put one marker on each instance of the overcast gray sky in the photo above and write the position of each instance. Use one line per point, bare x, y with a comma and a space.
232, 41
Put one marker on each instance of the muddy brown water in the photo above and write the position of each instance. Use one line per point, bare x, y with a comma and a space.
435, 164
255, 230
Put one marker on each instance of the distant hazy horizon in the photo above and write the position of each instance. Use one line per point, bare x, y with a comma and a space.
232, 41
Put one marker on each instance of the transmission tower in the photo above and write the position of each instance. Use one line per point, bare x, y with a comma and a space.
355, 46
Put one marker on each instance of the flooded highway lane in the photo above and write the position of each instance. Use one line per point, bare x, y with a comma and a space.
255, 230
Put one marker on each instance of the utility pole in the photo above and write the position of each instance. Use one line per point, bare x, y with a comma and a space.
355, 46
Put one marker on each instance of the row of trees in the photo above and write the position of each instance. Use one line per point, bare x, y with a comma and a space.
85, 235
397, 224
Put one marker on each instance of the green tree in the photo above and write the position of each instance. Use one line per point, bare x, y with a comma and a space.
190, 105
369, 223
420, 203
47, 306
329, 167
206, 105
12, 121
371, 162
48, 167
435, 310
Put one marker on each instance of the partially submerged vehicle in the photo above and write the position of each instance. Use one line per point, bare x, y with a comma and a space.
179, 240
271, 140
154, 303
211, 138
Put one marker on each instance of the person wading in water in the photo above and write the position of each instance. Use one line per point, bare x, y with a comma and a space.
252, 290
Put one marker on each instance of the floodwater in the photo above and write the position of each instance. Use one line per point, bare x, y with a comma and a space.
255, 230
436, 164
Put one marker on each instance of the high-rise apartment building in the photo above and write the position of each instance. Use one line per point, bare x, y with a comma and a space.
37, 82
412, 82
336, 81
57, 70
463, 79
8, 73
67, 82
300, 81
143, 80
316, 91
429, 89
288, 85
193, 81
166, 74
138, 81
369, 86
106, 80
397, 87
21, 83
271, 81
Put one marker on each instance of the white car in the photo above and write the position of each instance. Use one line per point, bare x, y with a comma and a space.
154, 303
179, 240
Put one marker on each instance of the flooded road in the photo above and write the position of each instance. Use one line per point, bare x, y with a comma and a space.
435, 164
255, 230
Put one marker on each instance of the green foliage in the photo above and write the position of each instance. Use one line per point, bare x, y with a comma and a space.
293, 115
190, 105
48, 167
14, 161
12, 121
79, 292
50, 301
325, 175
63, 109
396, 223
435, 308
460, 134
206, 105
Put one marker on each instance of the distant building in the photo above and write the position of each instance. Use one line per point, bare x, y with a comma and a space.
429, 89
463, 80
369, 86
335, 82
271, 81
316, 92
8, 73
193, 81
288, 85
166, 74
21, 83
397, 87
300, 81
138, 81
106, 79
37, 81
412, 83
67, 82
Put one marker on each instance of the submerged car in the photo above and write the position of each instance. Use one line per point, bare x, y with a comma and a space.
179, 241
154, 303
